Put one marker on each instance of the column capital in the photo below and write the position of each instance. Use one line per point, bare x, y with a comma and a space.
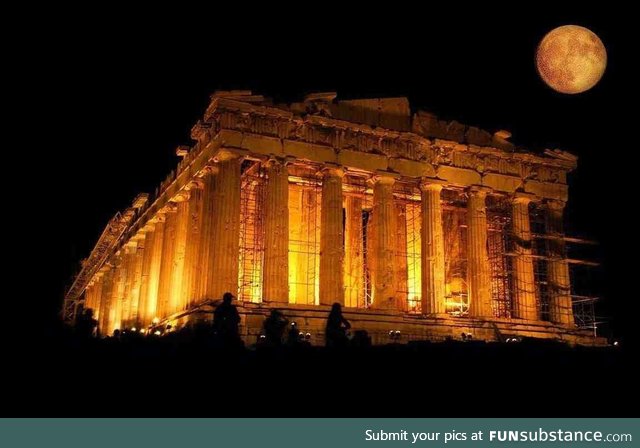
432, 184
194, 184
139, 235
479, 191
170, 207
158, 218
131, 244
555, 204
208, 170
523, 198
116, 261
277, 160
181, 196
225, 155
332, 171
279, 164
383, 179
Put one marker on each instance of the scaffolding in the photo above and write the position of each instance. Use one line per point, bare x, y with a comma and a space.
499, 241
251, 258
454, 222
367, 228
356, 188
355, 200
540, 263
409, 275
305, 197
73, 301
581, 272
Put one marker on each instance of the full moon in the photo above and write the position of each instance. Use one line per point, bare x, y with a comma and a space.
571, 59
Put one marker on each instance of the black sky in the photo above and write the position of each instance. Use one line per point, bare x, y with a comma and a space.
122, 89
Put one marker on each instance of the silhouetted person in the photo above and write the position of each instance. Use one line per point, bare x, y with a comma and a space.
86, 325
293, 337
337, 326
274, 327
226, 320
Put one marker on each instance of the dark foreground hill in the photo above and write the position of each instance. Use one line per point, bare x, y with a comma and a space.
191, 375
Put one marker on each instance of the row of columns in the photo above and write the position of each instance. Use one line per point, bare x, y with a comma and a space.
163, 269
383, 272
189, 251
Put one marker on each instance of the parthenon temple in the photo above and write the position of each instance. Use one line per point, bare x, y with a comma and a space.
421, 228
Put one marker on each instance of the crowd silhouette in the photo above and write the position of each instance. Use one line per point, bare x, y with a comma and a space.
224, 329
204, 368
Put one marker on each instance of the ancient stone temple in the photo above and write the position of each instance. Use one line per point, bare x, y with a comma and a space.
422, 229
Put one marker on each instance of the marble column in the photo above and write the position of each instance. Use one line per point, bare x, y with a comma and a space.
89, 295
331, 238
276, 234
115, 310
191, 274
432, 248
177, 301
209, 198
354, 253
97, 298
523, 273
167, 261
560, 303
154, 269
136, 282
128, 265
383, 271
402, 273
224, 247
144, 314
105, 303
478, 268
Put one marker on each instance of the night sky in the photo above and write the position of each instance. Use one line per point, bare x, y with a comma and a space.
126, 87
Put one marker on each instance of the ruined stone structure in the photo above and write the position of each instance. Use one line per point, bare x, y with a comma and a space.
416, 225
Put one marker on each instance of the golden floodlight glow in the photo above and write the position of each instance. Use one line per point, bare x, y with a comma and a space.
351, 211
571, 59
414, 258
304, 245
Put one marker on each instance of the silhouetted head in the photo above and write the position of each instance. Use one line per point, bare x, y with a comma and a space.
227, 297
275, 313
88, 312
336, 308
